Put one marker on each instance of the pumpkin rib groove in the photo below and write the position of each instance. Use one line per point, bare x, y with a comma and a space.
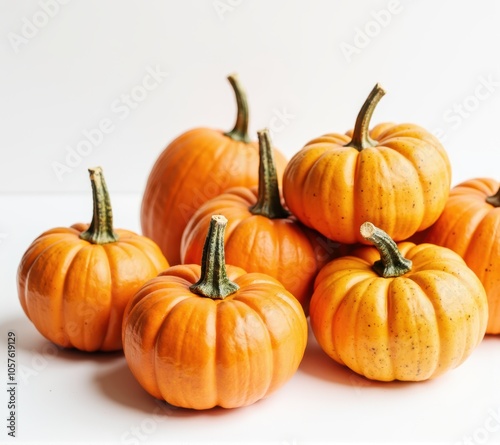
350, 297
348, 194
86, 330
62, 311
60, 328
461, 346
187, 170
157, 178
481, 217
130, 250
462, 220
27, 263
389, 307
138, 245
489, 225
174, 195
180, 340
139, 308
415, 306
439, 344
271, 338
402, 181
243, 308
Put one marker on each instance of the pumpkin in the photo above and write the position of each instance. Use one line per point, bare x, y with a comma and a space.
470, 226
262, 235
213, 335
195, 167
74, 282
398, 311
396, 176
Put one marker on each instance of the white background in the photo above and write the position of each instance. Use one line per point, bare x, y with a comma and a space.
61, 78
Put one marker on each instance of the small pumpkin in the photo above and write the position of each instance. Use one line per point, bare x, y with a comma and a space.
470, 226
262, 235
396, 175
398, 311
195, 167
213, 335
74, 282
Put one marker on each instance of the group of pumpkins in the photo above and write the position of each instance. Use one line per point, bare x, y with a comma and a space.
210, 303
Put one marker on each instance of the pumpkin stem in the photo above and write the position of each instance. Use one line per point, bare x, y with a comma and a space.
268, 200
360, 136
494, 200
392, 263
214, 282
100, 230
240, 130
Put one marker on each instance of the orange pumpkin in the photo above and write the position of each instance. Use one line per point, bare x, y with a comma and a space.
398, 312
207, 336
397, 176
470, 226
197, 166
262, 236
74, 282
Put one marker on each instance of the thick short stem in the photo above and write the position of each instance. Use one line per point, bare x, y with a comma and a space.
361, 136
494, 200
100, 230
214, 282
240, 130
269, 199
392, 263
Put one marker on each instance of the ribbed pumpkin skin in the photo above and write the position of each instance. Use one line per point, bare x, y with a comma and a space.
282, 247
196, 352
197, 166
471, 227
75, 292
401, 184
413, 327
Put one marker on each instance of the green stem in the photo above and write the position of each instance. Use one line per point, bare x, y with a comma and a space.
240, 130
392, 263
494, 200
268, 199
214, 282
100, 230
361, 137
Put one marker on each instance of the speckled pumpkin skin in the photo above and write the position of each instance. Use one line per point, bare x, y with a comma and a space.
413, 327
401, 184
470, 226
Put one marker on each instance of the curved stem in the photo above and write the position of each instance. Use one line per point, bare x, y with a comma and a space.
360, 137
240, 130
100, 230
268, 200
494, 200
391, 263
214, 282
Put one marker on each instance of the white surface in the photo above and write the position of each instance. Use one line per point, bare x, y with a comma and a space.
71, 397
